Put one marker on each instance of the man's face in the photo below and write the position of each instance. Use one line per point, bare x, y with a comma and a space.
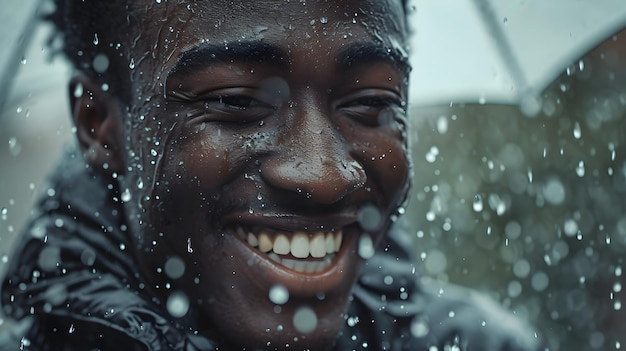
267, 138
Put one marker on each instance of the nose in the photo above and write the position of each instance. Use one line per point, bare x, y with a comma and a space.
313, 158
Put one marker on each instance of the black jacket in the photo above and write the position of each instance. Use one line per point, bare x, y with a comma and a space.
73, 285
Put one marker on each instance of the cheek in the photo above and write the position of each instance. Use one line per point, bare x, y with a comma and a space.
384, 156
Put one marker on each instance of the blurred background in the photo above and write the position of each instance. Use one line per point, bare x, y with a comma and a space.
518, 113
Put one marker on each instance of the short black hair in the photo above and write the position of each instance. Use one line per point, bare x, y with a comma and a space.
90, 28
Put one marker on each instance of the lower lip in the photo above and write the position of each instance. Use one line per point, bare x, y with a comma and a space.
266, 272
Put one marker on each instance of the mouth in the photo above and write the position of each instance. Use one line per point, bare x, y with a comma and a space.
303, 252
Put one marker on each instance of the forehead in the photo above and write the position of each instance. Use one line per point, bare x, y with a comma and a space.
316, 27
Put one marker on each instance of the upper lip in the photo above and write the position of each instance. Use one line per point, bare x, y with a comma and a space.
293, 222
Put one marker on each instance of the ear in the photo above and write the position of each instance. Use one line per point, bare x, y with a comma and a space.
97, 116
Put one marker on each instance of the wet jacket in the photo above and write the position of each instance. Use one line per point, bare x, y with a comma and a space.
74, 285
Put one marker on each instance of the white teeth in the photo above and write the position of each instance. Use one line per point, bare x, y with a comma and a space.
318, 246
301, 245
281, 244
252, 240
330, 243
338, 240
265, 243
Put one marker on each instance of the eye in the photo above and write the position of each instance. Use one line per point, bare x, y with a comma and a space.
235, 102
372, 107
231, 107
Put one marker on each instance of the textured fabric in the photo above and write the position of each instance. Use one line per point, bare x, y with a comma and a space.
74, 285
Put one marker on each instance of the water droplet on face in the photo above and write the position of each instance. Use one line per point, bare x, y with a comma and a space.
78, 90
177, 304
305, 320
189, 248
324, 20
279, 294
131, 65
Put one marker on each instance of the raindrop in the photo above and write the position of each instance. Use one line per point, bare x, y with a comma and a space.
580, 169
305, 320
577, 131
514, 289
14, 146
324, 20
131, 65
369, 217
95, 39
554, 191
570, 227
539, 281
3, 213
189, 248
366, 247
279, 294
100, 63
140, 183
436, 262
521, 268
431, 155
178, 304
126, 196
72, 329
174, 267
442, 124
49, 258
88, 257
477, 205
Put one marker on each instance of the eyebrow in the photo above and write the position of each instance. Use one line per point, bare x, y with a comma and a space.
363, 53
205, 54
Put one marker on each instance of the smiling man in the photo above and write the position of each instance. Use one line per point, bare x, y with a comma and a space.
241, 164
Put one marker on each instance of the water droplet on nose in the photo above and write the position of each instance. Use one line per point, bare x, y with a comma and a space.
305, 320
279, 294
178, 304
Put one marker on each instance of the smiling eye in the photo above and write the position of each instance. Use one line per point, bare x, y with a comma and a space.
235, 102
370, 106
235, 108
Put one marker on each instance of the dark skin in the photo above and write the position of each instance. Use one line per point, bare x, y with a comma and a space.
261, 120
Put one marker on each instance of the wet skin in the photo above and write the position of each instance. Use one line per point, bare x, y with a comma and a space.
268, 119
